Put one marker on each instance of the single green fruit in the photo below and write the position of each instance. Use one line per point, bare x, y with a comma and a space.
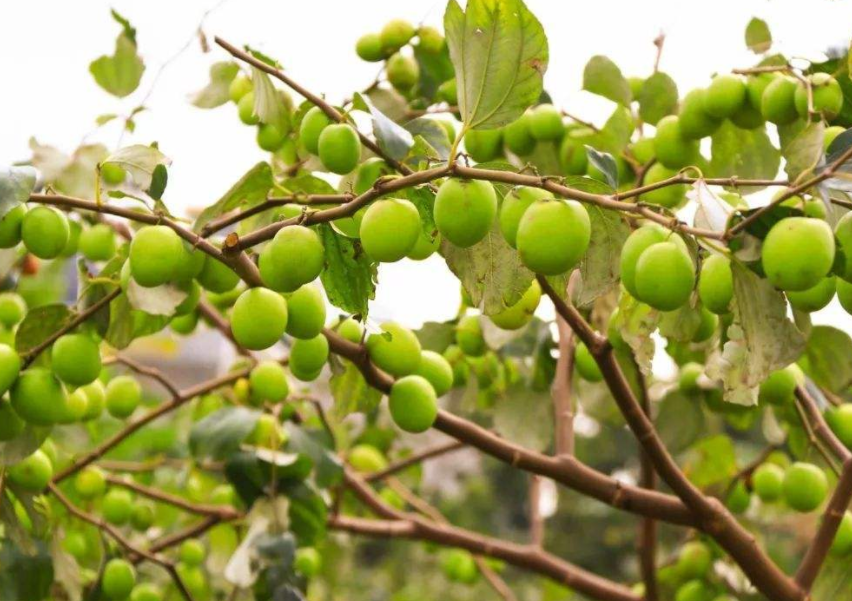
267, 433
840, 421
469, 336
146, 592
767, 481
430, 39
636, 85
688, 377
514, 205
97, 243
307, 357
118, 579
351, 330
10, 367
695, 590
90, 482
195, 581
245, 109
369, 173
427, 245
815, 298
572, 155
268, 381
517, 136
74, 408
637, 243
805, 487
308, 562
413, 404
695, 560
45, 232
123, 395
842, 543
724, 96
389, 229
546, 122
459, 566
269, 137
797, 253
259, 318
366, 459
369, 48
465, 210
313, 124
10, 226
305, 312
184, 324
665, 276
11, 425
193, 297
292, 259
402, 71
484, 145
113, 173
37, 397
32, 473
76, 359
671, 196
155, 253
437, 371
396, 350
695, 122
827, 96
192, 552
96, 396
706, 327
777, 104
843, 233
553, 235
756, 85
339, 148
142, 517
521, 313
239, 87
670, 146
739, 499
586, 365
448, 92
396, 34
117, 506
716, 284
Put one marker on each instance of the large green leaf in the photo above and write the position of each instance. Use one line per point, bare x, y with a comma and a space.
745, 153
216, 92
500, 53
658, 98
525, 417
349, 277
603, 77
39, 324
350, 390
251, 189
120, 73
828, 358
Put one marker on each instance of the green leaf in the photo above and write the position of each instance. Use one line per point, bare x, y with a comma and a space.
500, 54
268, 102
424, 199
714, 460
658, 98
616, 132
435, 69
603, 162
126, 324
159, 181
216, 92
680, 421
747, 154
681, 324
392, 138
328, 470
25, 577
350, 276
433, 133
23, 445
803, 152
307, 512
120, 73
221, 433
251, 189
834, 581
158, 300
16, 185
39, 324
434, 336
828, 358
601, 76
350, 390
141, 162
757, 36
525, 417
761, 338
490, 271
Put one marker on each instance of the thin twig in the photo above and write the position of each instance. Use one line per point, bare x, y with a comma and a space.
416, 458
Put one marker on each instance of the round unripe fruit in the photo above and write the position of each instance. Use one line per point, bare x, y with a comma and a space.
668, 196
672, 149
76, 359
695, 560
96, 395
192, 552
31, 473
245, 109
389, 229
10, 226
155, 253
402, 72
369, 173
366, 459
805, 487
10, 367
842, 543
425, 247
724, 96
184, 324
844, 295
117, 506
259, 318
637, 243
217, 277
267, 433
268, 381
90, 482
827, 96
465, 210
437, 371
748, 116
339, 148
840, 421
521, 313
483, 145
37, 397
123, 395
396, 34
351, 330
118, 579
830, 134
756, 85
706, 327
739, 498
305, 312
146, 592
777, 104
313, 124
843, 233
695, 121
514, 205
545, 122
688, 377
448, 92
74, 407
369, 48
716, 284
112, 173
768, 482
586, 365
572, 155
553, 235
459, 566
45, 232
813, 299
10, 424
695, 590
469, 336
518, 137
307, 562
293, 258
797, 253
269, 137
665, 276
430, 39
413, 404
307, 357
239, 87
97, 243
396, 350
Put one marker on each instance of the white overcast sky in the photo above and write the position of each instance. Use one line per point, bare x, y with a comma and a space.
47, 45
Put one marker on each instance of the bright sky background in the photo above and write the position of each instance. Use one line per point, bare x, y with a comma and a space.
47, 46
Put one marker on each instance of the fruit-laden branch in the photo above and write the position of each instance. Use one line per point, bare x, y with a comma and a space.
399, 524
681, 178
837, 504
415, 458
222, 512
566, 470
712, 516
326, 108
121, 540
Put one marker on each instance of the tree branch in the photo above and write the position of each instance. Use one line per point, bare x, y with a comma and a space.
414, 459
563, 406
145, 370
647, 540
221, 512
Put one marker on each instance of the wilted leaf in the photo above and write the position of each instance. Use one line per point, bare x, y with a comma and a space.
603, 77
658, 98
757, 36
637, 321
349, 277
216, 93
711, 213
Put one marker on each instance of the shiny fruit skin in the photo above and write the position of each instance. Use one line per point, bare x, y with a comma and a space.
572, 155
842, 543
695, 122
768, 482
517, 136
307, 357
268, 381
350, 330
305, 312
259, 318
192, 552
184, 324
313, 124
399, 355
293, 258
146, 592
797, 253
217, 277
37, 397
638, 242
665, 276
724, 96
716, 284
117, 506
553, 235
840, 421
413, 404
827, 97
10, 424
545, 122
484, 145
513, 207
269, 137
670, 146
777, 104
437, 371
695, 560
10, 367
805, 487
155, 253
308, 562
45, 232
389, 229
396, 34
670, 197
426, 246
469, 336
113, 173
465, 210
369, 48
123, 395
32, 473
76, 359
815, 298
90, 482
118, 579
97, 243
245, 109
706, 327
402, 71
586, 365
521, 313
239, 87
843, 233
10, 226
96, 395
366, 459
339, 148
